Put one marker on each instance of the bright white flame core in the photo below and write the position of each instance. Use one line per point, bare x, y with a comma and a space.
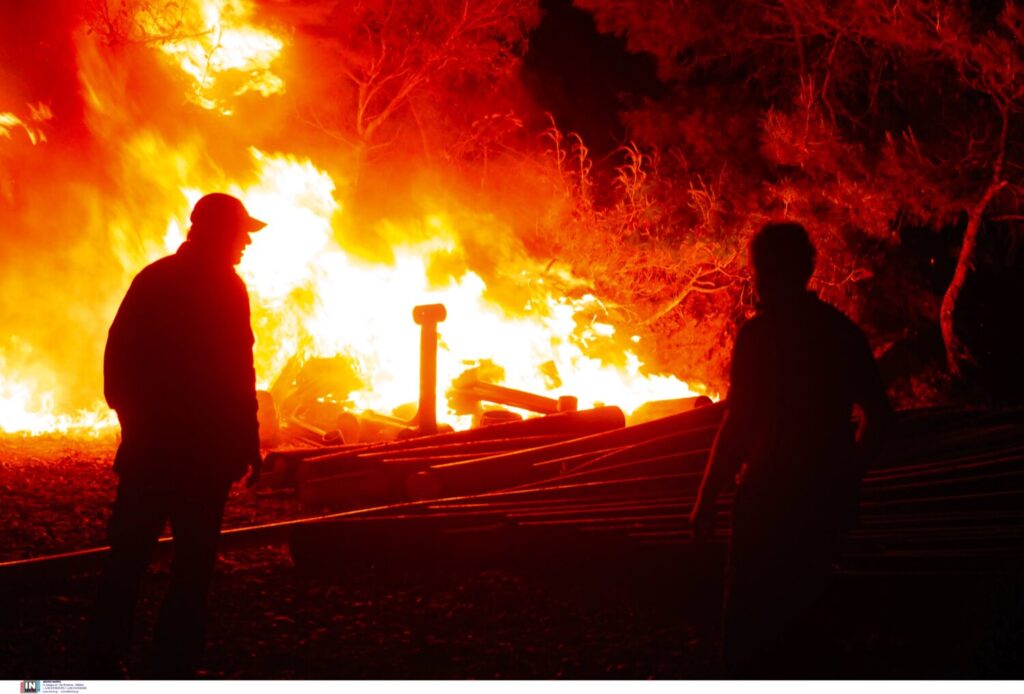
25, 410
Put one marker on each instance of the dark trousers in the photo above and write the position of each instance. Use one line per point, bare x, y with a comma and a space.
141, 510
773, 622
778, 573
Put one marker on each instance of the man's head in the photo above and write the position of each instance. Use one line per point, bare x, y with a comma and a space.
221, 226
782, 257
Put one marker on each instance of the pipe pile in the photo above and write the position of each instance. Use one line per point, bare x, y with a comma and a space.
391, 471
946, 497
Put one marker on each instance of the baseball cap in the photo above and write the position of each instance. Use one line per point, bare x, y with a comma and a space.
220, 209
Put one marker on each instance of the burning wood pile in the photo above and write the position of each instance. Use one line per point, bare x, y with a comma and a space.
372, 458
487, 458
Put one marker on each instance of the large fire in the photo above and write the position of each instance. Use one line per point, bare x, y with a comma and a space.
311, 295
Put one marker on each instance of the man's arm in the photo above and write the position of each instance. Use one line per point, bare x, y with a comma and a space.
243, 407
735, 435
123, 352
871, 397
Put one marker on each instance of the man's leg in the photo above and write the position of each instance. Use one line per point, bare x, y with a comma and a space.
751, 591
771, 608
195, 518
135, 524
765, 599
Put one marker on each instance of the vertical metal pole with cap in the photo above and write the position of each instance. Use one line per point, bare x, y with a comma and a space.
427, 317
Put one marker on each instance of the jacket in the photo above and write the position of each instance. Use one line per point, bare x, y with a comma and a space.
178, 369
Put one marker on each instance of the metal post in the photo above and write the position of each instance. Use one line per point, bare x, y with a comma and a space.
427, 317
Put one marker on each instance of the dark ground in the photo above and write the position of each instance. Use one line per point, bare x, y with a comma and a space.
271, 621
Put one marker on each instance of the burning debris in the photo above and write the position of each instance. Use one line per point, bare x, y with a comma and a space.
369, 458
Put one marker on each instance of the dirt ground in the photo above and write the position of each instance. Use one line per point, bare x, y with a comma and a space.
61, 491
269, 620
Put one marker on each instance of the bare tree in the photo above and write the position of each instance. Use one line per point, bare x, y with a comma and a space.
141, 21
394, 53
852, 133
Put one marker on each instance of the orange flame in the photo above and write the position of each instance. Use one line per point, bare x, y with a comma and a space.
38, 114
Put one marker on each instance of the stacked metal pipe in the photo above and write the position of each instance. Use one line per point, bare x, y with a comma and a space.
946, 497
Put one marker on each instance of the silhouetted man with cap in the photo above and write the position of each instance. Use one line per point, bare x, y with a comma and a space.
178, 370
798, 368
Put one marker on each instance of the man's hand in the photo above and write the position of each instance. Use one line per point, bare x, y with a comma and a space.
255, 469
702, 520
